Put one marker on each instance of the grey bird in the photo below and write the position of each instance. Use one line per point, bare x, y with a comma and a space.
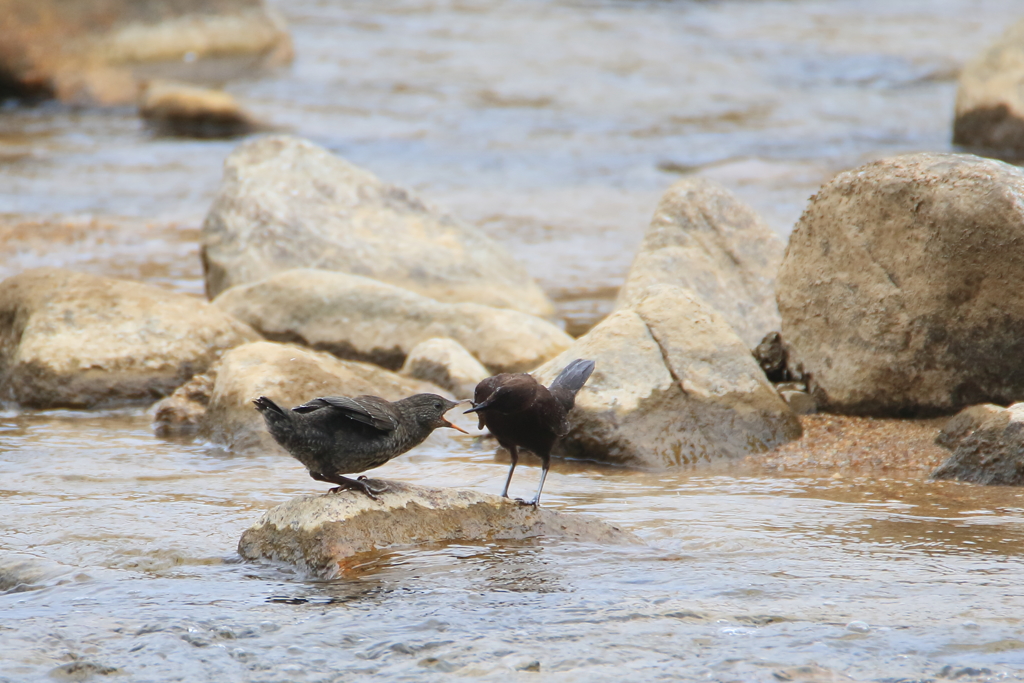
337, 435
523, 413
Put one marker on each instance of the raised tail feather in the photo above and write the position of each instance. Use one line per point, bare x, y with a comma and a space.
264, 404
571, 380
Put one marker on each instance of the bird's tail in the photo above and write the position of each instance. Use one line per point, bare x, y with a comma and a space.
571, 380
269, 409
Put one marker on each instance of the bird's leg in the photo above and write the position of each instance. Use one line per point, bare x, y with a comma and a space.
514, 454
344, 483
546, 460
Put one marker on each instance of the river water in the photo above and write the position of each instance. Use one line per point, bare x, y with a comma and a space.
554, 126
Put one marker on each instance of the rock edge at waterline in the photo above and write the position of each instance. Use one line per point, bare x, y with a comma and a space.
319, 533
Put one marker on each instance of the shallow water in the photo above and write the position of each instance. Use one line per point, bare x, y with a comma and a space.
554, 126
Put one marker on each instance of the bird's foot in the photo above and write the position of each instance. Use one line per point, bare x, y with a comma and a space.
360, 484
533, 503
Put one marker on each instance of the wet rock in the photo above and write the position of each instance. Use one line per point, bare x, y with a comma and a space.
894, 291
289, 375
703, 238
323, 534
673, 385
992, 452
98, 51
179, 109
990, 97
182, 411
76, 340
286, 203
967, 420
363, 319
447, 364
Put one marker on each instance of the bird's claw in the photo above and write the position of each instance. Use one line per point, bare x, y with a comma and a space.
533, 503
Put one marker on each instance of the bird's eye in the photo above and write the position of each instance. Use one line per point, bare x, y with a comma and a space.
437, 405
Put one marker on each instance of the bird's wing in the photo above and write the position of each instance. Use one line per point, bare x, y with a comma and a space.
368, 410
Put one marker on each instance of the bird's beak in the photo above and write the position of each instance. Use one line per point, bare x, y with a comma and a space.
455, 427
480, 406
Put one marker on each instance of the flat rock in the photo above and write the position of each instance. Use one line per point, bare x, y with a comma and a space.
362, 319
99, 51
444, 362
70, 339
992, 453
990, 97
286, 203
705, 239
179, 109
289, 375
324, 534
673, 385
897, 292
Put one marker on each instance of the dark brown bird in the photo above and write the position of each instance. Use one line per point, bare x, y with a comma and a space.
523, 413
336, 435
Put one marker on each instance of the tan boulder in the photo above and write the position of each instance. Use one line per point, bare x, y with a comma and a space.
78, 340
673, 385
703, 238
324, 535
990, 97
289, 375
444, 362
897, 292
171, 108
98, 51
363, 319
285, 203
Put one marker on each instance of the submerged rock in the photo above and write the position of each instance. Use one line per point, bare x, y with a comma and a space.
98, 51
896, 291
363, 319
673, 385
289, 375
285, 203
990, 97
705, 239
75, 340
447, 364
323, 534
189, 111
992, 452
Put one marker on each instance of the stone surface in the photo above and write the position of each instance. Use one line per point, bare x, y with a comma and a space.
286, 203
98, 51
990, 97
800, 402
958, 427
179, 109
897, 292
182, 411
703, 238
363, 319
673, 385
444, 362
289, 375
324, 534
993, 452
76, 340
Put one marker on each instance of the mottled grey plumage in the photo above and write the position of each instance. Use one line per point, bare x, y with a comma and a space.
337, 435
523, 413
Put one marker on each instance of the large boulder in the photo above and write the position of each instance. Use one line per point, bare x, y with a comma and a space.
325, 534
289, 375
286, 203
987, 444
897, 291
362, 319
705, 239
99, 51
77, 340
990, 97
673, 385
